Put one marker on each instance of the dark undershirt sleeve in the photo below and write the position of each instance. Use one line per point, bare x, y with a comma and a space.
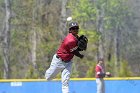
101, 75
76, 53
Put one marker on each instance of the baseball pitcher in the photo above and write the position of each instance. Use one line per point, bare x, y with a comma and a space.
62, 60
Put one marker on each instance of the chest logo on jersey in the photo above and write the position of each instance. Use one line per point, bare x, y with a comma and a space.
71, 50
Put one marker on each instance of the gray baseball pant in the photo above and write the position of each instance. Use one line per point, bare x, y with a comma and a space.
100, 85
57, 65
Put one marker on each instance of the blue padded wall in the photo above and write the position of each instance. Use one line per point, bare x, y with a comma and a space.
76, 86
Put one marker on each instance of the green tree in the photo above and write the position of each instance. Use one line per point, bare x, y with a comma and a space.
125, 70
85, 15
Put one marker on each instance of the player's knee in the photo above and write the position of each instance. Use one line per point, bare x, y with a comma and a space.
65, 82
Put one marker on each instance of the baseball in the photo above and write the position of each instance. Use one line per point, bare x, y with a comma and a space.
69, 18
108, 73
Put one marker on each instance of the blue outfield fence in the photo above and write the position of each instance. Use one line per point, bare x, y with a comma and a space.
77, 85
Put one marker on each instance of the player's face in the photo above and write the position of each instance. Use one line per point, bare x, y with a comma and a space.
75, 30
101, 62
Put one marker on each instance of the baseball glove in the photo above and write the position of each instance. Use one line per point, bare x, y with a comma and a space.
82, 43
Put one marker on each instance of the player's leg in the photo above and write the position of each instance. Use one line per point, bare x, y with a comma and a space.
65, 77
55, 67
99, 85
103, 86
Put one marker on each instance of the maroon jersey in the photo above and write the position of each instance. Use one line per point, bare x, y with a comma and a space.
68, 45
99, 70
